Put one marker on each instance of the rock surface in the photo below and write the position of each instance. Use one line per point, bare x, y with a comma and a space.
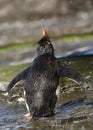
23, 20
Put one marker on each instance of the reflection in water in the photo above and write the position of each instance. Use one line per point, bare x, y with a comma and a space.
74, 108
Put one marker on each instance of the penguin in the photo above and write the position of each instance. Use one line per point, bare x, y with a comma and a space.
41, 80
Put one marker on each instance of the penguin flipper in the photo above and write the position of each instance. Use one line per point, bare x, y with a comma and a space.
22, 75
67, 72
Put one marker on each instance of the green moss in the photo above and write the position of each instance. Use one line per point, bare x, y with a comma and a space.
16, 46
8, 72
76, 37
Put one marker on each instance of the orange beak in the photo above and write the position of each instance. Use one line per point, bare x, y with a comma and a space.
45, 33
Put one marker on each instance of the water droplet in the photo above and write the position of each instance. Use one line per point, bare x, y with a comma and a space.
42, 20
71, 1
43, 5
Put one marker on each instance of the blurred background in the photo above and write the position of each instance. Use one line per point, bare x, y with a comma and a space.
69, 24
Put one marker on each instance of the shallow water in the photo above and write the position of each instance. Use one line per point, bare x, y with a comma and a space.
74, 110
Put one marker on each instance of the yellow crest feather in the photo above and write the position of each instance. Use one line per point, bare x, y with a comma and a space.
45, 33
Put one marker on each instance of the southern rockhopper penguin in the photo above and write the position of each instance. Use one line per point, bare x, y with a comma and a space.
41, 80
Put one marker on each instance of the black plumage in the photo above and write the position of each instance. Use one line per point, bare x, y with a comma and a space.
42, 79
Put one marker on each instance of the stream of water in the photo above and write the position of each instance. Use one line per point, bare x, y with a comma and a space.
74, 110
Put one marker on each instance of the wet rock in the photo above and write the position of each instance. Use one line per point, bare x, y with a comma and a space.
3, 86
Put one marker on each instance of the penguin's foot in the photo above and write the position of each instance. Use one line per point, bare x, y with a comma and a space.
28, 115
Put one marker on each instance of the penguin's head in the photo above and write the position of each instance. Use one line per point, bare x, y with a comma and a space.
44, 45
